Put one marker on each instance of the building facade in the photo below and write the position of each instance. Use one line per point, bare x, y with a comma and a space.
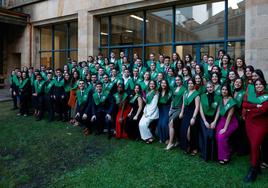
54, 30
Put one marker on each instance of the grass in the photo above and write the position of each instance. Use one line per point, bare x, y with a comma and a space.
41, 154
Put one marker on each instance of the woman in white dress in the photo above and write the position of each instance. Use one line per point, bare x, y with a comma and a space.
150, 113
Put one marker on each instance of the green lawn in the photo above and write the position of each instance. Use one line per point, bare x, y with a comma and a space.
41, 154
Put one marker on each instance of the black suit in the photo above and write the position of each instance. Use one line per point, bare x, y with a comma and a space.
60, 96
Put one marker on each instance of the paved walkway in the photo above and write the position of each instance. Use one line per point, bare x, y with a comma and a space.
5, 95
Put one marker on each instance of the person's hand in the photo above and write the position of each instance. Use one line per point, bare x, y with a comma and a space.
120, 120
181, 116
77, 115
84, 116
259, 105
222, 131
54, 96
129, 114
109, 117
62, 96
135, 117
192, 122
213, 125
93, 118
207, 124
35, 94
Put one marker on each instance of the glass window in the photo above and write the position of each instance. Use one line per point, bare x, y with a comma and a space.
46, 38
127, 29
236, 49
60, 59
104, 31
182, 50
166, 50
104, 51
236, 18
46, 59
73, 32
159, 25
211, 49
200, 22
60, 38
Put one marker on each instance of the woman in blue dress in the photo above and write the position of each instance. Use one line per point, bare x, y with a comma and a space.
189, 115
165, 96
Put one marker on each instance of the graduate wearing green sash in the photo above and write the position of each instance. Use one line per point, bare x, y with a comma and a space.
24, 94
38, 97
49, 96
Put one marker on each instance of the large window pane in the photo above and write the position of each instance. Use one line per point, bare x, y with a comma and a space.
166, 50
236, 49
200, 22
236, 18
73, 32
60, 59
183, 50
159, 25
127, 29
46, 59
46, 38
60, 36
104, 31
211, 49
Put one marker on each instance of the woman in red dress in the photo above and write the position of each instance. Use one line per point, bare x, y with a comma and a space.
256, 118
122, 102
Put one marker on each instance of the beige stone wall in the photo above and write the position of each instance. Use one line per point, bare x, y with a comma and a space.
257, 34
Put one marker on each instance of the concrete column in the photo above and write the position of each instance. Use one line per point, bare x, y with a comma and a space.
93, 34
83, 27
256, 48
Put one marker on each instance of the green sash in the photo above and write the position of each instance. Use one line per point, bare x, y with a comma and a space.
150, 97
188, 99
252, 97
67, 87
81, 99
239, 98
259, 100
225, 108
23, 83
101, 99
44, 75
201, 90
49, 86
142, 72
171, 81
218, 90
15, 80
164, 99
38, 86
177, 96
133, 99
60, 83
144, 87
129, 84
209, 110
108, 86
120, 98
154, 75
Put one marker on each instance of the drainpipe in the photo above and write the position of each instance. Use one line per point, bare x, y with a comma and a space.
30, 40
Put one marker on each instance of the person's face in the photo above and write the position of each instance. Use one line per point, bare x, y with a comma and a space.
137, 89
146, 76
49, 76
255, 76
106, 61
178, 81
153, 66
74, 64
190, 85
197, 80
187, 58
135, 72
138, 62
161, 58
259, 86
24, 75
94, 78
170, 72
225, 59
152, 57
179, 65
135, 56
114, 72
112, 55
197, 69
160, 76
126, 72
185, 72
174, 56
99, 88
215, 69
166, 61
248, 72
125, 59
239, 63
122, 54
163, 84
210, 88
221, 54
19, 74
75, 75
224, 91
100, 72
111, 66
65, 67
152, 85
119, 88
231, 75
238, 84
58, 73
214, 79
193, 64
105, 78
88, 77
43, 68
81, 85
205, 58
38, 78
210, 61
66, 76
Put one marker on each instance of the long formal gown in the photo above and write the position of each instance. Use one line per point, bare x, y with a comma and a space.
189, 107
132, 126
150, 113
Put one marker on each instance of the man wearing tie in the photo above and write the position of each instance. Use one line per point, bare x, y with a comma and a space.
102, 109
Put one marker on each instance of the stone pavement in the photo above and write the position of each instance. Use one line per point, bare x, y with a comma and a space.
4, 95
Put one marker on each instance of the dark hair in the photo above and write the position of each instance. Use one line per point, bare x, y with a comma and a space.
201, 69
228, 88
238, 78
229, 59
263, 82
260, 73
191, 79
168, 87
250, 67
243, 61
221, 50
190, 57
218, 75
189, 70
140, 92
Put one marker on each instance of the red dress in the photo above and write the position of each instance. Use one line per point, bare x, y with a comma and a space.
123, 111
256, 120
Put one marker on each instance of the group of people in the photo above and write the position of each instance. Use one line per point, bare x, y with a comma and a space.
215, 107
